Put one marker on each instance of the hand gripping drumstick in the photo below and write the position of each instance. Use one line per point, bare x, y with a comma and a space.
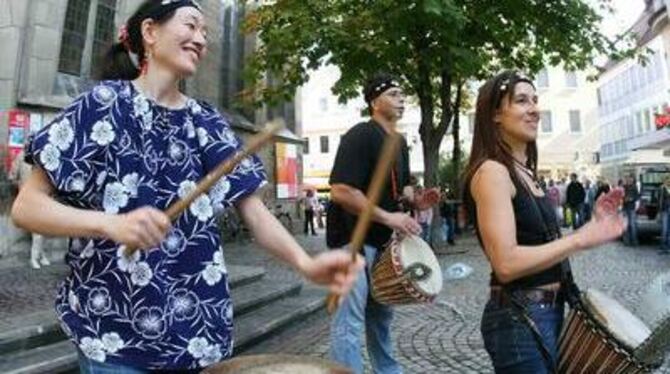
225, 167
386, 159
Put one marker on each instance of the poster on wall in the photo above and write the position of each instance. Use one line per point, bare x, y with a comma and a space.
287, 170
18, 122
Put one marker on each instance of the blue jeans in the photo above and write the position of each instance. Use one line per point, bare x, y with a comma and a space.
665, 230
630, 235
510, 342
89, 366
360, 312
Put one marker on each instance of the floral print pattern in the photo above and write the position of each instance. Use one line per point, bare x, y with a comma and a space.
114, 150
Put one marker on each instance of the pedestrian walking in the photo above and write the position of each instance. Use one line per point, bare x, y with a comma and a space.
575, 200
106, 168
554, 196
664, 211
630, 201
357, 156
518, 230
310, 207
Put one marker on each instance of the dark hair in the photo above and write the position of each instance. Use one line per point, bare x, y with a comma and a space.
487, 142
116, 63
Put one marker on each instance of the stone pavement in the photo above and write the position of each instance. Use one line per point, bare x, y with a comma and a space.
444, 337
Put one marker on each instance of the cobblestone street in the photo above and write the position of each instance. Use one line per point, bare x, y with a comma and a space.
445, 338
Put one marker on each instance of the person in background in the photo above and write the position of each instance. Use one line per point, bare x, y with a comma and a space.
630, 201
424, 217
554, 196
310, 207
18, 175
575, 201
589, 200
664, 211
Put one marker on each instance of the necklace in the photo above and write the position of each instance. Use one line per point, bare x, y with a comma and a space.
529, 173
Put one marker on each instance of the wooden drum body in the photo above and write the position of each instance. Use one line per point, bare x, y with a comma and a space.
407, 272
600, 336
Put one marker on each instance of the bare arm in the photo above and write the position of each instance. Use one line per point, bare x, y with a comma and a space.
492, 190
36, 210
333, 268
354, 202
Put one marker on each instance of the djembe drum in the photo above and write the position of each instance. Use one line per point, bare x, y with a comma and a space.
601, 336
406, 273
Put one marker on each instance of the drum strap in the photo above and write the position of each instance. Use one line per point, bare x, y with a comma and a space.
519, 307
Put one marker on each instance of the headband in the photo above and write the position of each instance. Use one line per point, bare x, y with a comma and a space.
379, 88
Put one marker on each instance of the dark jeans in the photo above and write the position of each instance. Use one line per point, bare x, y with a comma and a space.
510, 342
309, 221
630, 235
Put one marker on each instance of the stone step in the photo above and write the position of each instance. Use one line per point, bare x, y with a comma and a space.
253, 296
42, 328
56, 358
253, 327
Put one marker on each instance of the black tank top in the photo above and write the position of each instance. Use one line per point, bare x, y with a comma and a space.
535, 225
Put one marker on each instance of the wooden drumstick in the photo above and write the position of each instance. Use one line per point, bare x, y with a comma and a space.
384, 164
225, 167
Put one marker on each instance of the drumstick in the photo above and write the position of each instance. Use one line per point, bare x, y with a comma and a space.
225, 167
384, 164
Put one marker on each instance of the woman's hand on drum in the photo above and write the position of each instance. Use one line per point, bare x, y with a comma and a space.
144, 227
403, 223
333, 269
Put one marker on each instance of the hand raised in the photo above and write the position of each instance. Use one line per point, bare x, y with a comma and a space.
608, 204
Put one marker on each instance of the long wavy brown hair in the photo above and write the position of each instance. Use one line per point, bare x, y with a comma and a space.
487, 142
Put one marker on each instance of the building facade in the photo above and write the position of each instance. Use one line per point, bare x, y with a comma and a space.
630, 94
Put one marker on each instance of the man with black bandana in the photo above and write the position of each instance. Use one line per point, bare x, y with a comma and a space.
350, 178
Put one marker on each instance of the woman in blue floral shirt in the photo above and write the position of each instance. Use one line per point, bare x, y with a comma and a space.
108, 166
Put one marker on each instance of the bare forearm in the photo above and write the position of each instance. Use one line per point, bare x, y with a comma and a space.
40, 213
270, 234
523, 261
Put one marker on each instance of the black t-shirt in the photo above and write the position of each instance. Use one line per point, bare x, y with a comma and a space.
355, 163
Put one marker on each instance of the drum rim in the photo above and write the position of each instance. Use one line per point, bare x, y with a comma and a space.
243, 362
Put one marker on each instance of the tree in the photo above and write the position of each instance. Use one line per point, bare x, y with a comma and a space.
435, 46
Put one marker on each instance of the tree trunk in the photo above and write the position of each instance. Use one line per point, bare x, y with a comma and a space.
455, 133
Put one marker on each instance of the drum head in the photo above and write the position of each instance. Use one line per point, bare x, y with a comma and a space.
276, 364
619, 322
414, 250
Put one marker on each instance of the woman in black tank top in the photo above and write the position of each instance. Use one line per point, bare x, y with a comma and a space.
518, 230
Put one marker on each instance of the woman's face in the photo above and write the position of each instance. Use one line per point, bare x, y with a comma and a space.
518, 116
181, 43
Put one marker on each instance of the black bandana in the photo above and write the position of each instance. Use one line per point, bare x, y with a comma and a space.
377, 86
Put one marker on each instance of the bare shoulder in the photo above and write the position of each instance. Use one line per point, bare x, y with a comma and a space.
491, 176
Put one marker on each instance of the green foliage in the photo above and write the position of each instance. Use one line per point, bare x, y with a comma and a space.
432, 45
449, 173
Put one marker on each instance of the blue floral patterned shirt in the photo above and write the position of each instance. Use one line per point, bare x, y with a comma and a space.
114, 150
